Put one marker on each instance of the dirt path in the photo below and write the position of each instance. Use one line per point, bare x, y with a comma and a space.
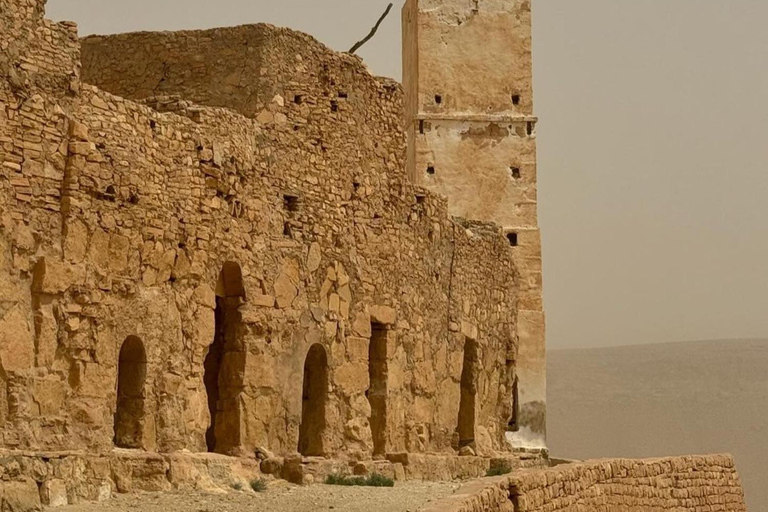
282, 497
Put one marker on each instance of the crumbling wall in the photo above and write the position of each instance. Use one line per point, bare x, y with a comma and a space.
696, 484
306, 205
38, 83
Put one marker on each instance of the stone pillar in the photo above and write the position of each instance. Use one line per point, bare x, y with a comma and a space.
467, 73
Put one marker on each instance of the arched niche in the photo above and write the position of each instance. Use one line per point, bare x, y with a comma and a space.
131, 377
313, 402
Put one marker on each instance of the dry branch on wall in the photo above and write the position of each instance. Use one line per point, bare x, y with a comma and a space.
373, 30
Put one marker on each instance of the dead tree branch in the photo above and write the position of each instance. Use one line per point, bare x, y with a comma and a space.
373, 31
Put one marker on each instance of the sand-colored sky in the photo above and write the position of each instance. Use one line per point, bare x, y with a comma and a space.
653, 150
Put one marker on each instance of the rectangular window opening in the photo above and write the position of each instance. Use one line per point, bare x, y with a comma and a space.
291, 203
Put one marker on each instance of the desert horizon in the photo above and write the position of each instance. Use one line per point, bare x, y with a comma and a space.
640, 401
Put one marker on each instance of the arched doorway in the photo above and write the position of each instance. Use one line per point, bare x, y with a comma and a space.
314, 390
131, 375
224, 363
377, 392
466, 427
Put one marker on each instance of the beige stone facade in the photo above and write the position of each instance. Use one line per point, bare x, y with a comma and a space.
210, 243
467, 73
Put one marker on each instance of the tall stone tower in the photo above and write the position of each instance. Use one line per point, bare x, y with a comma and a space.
467, 72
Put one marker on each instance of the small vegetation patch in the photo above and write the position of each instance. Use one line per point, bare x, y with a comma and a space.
372, 480
499, 469
238, 486
258, 485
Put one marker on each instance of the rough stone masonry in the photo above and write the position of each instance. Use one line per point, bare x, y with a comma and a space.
222, 255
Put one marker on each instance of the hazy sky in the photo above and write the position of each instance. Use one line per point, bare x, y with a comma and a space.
653, 150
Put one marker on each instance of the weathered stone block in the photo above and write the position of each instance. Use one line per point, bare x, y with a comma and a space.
54, 277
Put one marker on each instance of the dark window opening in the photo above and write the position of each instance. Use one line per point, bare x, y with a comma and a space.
438, 99
287, 231
133, 198
334, 106
421, 126
515, 171
515, 99
512, 238
420, 199
377, 390
298, 99
343, 95
431, 170
152, 124
530, 128
291, 203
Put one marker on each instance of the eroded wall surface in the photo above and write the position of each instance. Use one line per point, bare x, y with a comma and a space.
696, 484
249, 233
467, 73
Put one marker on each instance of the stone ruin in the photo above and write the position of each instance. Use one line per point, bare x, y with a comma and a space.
235, 252
220, 241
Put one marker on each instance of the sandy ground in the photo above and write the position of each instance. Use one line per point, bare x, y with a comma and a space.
669, 399
282, 497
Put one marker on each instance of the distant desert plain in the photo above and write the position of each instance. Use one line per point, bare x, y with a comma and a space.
664, 399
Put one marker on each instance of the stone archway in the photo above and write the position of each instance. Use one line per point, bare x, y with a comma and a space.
131, 377
224, 364
313, 402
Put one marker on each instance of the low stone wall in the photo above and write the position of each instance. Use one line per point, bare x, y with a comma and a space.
697, 483
30, 480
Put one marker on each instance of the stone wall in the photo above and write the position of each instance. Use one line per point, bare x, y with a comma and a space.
169, 266
29, 480
697, 484
467, 74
